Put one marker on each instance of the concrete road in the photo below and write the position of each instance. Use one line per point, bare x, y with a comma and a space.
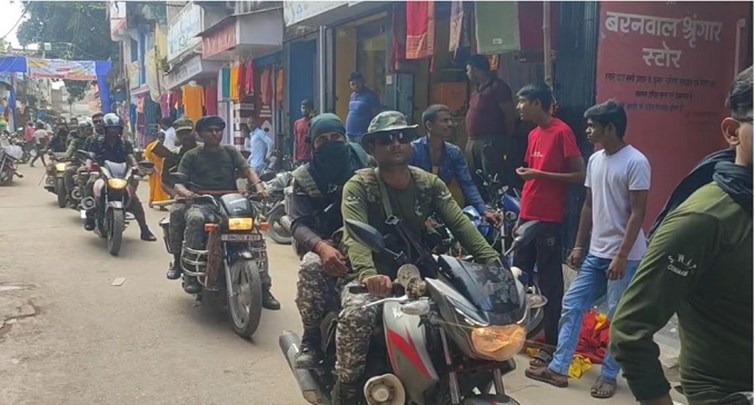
68, 337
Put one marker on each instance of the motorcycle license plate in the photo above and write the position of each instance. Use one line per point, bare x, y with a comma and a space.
230, 237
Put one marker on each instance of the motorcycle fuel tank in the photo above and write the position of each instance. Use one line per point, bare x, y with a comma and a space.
236, 205
406, 341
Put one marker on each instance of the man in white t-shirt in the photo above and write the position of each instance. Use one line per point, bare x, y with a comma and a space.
617, 181
40, 138
166, 127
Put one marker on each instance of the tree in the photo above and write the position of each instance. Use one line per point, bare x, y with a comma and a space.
76, 30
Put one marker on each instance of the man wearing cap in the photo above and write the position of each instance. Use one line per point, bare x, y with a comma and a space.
394, 189
186, 140
315, 213
214, 167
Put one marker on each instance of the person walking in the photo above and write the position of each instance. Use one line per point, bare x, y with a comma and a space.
617, 182
156, 192
40, 138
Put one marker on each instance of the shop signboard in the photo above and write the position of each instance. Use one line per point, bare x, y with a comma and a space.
657, 58
219, 40
189, 69
183, 30
62, 69
295, 12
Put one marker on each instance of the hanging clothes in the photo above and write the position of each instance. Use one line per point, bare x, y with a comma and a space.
460, 23
249, 80
242, 81
266, 87
176, 99
280, 87
226, 83
398, 47
165, 105
497, 27
235, 95
140, 104
420, 29
193, 100
211, 99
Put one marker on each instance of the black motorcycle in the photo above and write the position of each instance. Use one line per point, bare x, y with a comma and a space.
228, 269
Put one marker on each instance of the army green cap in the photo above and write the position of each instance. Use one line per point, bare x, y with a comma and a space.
183, 124
386, 121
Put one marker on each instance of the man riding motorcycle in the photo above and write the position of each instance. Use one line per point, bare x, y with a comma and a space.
59, 141
111, 147
214, 167
77, 142
186, 140
393, 190
318, 185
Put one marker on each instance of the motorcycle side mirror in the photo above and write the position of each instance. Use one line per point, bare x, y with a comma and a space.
179, 178
366, 235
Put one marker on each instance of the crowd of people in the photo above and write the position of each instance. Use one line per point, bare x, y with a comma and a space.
376, 165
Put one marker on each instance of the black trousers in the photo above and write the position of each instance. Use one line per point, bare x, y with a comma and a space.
545, 252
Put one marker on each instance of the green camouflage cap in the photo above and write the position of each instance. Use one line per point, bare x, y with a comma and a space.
386, 121
183, 124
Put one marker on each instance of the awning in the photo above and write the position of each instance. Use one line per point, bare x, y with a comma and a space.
191, 69
255, 34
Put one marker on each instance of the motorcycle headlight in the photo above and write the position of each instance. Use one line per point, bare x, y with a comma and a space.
117, 183
240, 224
499, 343
61, 167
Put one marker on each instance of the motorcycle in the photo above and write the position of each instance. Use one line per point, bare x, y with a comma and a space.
116, 196
55, 178
229, 268
9, 157
273, 210
451, 331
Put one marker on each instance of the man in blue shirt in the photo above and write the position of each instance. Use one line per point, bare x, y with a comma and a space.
433, 154
261, 146
363, 106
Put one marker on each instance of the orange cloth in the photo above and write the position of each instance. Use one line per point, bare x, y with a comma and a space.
280, 86
156, 192
235, 90
193, 99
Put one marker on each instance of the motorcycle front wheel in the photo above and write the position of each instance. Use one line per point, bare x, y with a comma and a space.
60, 191
117, 222
245, 301
276, 230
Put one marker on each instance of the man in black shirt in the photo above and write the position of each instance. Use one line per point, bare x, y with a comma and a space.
113, 148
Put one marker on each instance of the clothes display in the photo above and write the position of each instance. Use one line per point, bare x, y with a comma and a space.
420, 29
193, 101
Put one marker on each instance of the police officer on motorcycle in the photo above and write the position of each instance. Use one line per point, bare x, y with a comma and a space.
113, 148
214, 167
317, 186
77, 142
372, 196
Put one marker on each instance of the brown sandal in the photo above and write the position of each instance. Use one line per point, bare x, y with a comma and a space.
543, 374
599, 390
542, 359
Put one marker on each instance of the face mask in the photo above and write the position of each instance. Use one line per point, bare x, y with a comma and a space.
333, 161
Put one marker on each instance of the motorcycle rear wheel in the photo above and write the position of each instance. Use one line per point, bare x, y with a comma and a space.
115, 231
60, 192
245, 301
276, 231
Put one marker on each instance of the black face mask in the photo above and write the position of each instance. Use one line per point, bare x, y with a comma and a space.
331, 163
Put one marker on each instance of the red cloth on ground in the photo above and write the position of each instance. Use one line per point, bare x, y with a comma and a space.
593, 343
420, 29
211, 99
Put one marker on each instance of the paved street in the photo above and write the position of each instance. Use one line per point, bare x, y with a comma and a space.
69, 337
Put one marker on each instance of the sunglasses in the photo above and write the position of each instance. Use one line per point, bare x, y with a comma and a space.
97, 121
388, 138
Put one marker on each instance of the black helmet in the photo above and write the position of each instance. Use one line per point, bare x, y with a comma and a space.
111, 120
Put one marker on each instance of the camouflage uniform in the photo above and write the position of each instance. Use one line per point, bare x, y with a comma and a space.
364, 202
315, 292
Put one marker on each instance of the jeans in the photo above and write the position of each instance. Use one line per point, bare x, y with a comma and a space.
591, 282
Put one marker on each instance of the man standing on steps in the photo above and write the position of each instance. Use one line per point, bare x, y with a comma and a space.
554, 163
698, 266
617, 181
490, 121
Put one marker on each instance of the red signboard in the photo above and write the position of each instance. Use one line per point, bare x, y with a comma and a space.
671, 63
219, 40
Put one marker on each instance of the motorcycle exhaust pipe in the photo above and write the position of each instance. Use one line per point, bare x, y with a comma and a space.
87, 203
289, 343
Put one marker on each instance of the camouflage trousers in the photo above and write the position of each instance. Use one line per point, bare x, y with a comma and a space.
316, 293
187, 228
355, 328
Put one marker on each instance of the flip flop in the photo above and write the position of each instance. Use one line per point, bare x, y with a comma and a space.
598, 389
543, 374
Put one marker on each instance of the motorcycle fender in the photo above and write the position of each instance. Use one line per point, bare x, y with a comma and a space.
406, 341
116, 205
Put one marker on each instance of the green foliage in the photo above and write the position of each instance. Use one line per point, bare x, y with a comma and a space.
76, 30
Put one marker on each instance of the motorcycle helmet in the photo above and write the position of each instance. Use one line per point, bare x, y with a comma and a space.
111, 120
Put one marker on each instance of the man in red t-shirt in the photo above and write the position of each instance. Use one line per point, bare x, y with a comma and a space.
301, 131
554, 163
